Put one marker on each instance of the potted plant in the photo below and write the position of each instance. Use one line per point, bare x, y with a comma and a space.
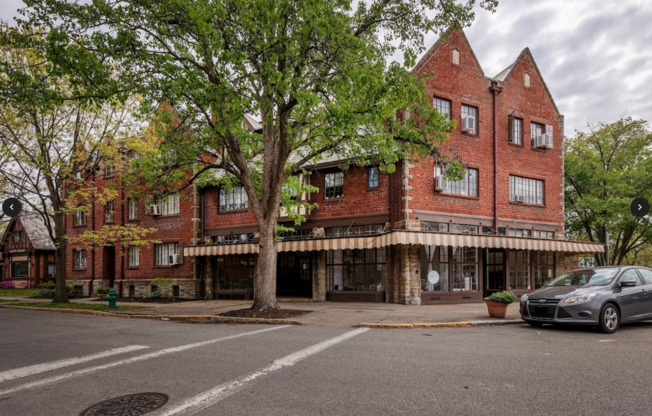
497, 303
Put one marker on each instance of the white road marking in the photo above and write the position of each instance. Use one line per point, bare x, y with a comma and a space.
214, 395
144, 357
606, 340
53, 365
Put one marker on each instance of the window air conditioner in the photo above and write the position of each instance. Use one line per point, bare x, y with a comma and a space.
154, 209
519, 198
544, 141
468, 124
441, 184
174, 259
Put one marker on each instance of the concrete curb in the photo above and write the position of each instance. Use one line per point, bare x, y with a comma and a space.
207, 319
463, 324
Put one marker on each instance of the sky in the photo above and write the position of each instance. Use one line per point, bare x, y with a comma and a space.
594, 55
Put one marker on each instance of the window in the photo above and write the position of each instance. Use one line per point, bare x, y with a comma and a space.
170, 205
469, 119
20, 270
465, 268
443, 106
456, 57
163, 253
353, 230
630, 276
134, 256
79, 218
373, 177
647, 276
544, 267
51, 270
79, 259
236, 272
519, 269
434, 268
515, 130
356, 270
132, 204
529, 191
465, 229
20, 236
109, 212
536, 131
234, 199
334, 185
467, 186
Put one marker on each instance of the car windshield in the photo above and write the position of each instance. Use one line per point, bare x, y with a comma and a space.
585, 277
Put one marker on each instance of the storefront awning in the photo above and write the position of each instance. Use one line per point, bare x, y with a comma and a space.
404, 238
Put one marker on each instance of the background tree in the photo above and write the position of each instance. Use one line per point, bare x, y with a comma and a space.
315, 72
605, 170
51, 142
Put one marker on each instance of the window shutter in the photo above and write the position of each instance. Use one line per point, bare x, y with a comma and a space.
511, 128
549, 131
180, 253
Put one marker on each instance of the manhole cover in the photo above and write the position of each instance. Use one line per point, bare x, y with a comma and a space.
129, 405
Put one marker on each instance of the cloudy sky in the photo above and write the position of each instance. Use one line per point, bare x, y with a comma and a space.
595, 55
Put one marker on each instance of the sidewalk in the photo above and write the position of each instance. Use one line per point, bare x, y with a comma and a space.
341, 314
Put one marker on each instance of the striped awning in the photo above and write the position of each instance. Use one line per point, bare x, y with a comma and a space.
404, 238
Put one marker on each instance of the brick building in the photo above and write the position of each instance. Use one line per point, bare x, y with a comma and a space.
408, 237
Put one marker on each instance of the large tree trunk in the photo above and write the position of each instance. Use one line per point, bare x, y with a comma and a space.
265, 272
60, 291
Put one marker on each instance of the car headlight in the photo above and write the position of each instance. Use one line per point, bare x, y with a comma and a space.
523, 298
573, 300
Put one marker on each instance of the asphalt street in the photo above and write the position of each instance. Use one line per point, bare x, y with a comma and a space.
60, 364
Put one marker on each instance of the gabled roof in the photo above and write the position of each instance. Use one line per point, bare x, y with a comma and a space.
37, 232
505, 73
442, 39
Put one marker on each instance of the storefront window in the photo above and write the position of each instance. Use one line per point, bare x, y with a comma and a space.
434, 269
356, 270
465, 268
519, 270
544, 267
236, 272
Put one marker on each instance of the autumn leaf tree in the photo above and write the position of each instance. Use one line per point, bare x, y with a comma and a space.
605, 170
318, 74
52, 143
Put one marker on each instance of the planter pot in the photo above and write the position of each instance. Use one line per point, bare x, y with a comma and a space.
496, 309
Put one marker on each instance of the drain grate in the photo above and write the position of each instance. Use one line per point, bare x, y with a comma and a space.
129, 405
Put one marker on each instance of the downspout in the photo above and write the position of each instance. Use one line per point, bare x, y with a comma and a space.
495, 90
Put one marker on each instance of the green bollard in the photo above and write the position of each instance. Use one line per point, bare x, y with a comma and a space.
111, 297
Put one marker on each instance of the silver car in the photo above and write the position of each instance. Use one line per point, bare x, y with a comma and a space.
603, 297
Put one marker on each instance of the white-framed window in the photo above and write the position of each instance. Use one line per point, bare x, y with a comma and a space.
470, 118
109, 212
170, 205
163, 253
467, 186
442, 105
334, 185
233, 199
134, 256
373, 177
79, 259
526, 190
132, 205
20, 236
515, 130
79, 218
465, 268
536, 130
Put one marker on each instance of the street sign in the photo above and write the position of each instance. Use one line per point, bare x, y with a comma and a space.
11, 207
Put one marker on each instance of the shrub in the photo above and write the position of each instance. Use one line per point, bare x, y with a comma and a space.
45, 293
102, 291
7, 285
504, 296
46, 286
157, 295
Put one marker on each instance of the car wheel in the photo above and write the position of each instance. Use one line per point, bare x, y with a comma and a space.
535, 324
609, 319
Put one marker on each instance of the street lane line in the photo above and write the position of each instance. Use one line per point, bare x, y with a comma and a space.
210, 397
53, 365
144, 357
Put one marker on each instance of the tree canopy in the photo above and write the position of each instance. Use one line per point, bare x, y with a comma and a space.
605, 170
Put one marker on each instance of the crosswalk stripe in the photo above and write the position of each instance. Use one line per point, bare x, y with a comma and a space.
45, 367
155, 354
210, 397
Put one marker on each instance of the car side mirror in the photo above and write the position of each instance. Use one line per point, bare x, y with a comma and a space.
627, 283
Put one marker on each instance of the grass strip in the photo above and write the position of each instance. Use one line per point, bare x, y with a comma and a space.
84, 306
